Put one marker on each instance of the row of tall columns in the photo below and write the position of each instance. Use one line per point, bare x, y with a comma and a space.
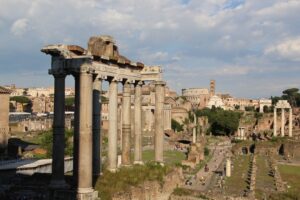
87, 137
283, 122
84, 133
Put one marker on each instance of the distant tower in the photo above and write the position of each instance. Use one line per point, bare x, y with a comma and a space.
212, 88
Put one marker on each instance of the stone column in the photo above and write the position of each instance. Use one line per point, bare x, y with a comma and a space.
275, 123
97, 87
76, 129
138, 147
159, 126
228, 167
113, 125
126, 123
84, 186
242, 133
291, 123
58, 154
282, 122
194, 130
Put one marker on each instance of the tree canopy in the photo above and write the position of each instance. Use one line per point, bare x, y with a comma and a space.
292, 95
222, 122
176, 126
20, 99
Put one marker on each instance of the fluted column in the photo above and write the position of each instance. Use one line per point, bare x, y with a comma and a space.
113, 126
138, 147
275, 123
84, 185
58, 150
291, 122
159, 126
126, 123
282, 122
97, 87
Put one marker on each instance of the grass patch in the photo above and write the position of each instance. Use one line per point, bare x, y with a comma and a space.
291, 175
236, 184
265, 184
112, 183
182, 192
170, 157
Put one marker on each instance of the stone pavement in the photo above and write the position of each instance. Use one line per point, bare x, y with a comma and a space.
202, 181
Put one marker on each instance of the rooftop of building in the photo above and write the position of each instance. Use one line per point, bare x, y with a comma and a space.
4, 90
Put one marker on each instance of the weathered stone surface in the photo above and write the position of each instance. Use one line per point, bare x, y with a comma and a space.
153, 190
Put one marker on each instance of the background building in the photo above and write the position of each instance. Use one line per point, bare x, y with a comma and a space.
4, 118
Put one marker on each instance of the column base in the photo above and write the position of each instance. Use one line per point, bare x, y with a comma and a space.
58, 184
138, 162
126, 165
112, 170
86, 194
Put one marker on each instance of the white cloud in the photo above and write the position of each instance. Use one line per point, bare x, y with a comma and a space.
19, 27
288, 49
199, 39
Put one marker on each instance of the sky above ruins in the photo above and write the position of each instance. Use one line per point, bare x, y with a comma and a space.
250, 47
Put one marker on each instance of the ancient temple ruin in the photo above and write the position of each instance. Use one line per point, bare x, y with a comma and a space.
283, 105
101, 61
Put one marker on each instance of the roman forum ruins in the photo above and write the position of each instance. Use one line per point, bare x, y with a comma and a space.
100, 62
283, 104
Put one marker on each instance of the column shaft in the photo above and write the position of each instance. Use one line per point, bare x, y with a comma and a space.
85, 136
138, 147
76, 129
159, 126
113, 126
58, 149
282, 122
228, 167
275, 123
97, 87
126, 124
291, 122
194, 130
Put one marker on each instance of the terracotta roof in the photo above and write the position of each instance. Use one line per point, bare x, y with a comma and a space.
4, 90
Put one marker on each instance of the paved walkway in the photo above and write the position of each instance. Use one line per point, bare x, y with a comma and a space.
203, 179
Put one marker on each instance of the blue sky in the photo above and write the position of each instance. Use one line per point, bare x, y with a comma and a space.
250, 47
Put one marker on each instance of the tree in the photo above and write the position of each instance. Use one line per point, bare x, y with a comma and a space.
249, 108
291, 95
176, 126
69, 102
46, 142
20, 99
222, 122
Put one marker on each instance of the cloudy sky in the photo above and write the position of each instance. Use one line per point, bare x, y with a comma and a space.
250, 47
